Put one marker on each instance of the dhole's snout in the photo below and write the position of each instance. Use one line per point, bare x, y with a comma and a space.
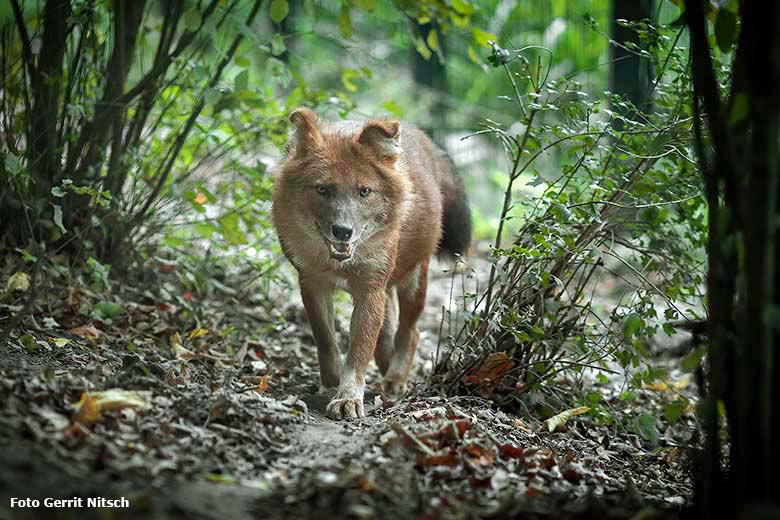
339, 239
342, 233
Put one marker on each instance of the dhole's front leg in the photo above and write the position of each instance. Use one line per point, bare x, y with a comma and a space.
318, 302
367, 318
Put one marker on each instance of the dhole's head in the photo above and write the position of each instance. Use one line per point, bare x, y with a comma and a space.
342, 181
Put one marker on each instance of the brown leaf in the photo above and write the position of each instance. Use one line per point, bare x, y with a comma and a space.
449, 458
479, 454
87, 331
572, 472
454, 430
262, 385
165, 267
510, 451
167, 307
493, 368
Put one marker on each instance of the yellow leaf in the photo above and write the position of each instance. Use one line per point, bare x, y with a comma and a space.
262, 385
178, 350
87, 410
92, 404
60, 342
669, 386
200, 199
196, 333
18, 281
558, 421
433, 40
422, 49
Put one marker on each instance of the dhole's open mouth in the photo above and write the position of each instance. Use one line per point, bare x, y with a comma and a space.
339, 250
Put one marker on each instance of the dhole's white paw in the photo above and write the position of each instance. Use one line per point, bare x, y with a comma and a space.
347, 403
393, 387
345, 409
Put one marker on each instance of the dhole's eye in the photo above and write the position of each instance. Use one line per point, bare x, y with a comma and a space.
321, 189
364, 191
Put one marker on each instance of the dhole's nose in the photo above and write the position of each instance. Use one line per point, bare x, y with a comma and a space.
341, 233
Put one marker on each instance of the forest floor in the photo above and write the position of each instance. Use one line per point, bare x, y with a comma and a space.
215, 413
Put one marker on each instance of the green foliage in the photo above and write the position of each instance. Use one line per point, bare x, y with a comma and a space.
608, 251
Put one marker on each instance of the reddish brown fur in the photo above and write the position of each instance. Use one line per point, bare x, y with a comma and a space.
407, 182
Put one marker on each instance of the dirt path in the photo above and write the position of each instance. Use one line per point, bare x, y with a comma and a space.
220, 439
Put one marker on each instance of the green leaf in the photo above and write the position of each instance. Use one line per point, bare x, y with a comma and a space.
231, 230
680, 21
58, 192
12, 164
483, 37
393, 108
433, 40
725, 29
739, 109
192, 19
366, 5
279, 10
673, 412
109, 309
632, 324
277, 45
692, 361
462, 7
58, 218
211, 95
345, 24
644, 425
422, 49
241, 81
473, 56
348, 76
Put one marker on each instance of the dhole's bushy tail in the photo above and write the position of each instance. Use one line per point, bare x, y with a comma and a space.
456, 221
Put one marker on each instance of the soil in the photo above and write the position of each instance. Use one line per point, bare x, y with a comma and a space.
232, 424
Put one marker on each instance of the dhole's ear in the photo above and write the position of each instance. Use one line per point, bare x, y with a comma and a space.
307, 133
384, 138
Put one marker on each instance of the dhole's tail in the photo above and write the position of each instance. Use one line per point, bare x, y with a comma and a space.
456, 222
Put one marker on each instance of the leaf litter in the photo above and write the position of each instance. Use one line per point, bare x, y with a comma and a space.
184, 408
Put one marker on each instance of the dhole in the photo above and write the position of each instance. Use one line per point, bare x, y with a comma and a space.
364, 207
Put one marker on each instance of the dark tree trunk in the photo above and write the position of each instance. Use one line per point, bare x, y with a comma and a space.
46, 86
629, 74
743, 185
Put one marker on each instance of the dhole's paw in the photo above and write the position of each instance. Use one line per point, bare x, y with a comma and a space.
393, 387
345, 409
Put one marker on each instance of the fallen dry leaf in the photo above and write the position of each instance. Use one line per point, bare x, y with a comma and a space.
557, 422
178, 350
262, 384
87, 331
445, 459
196, 333
18, 281
165, 267
92, 404
60, 342
665, 386
510, 451
167, 307
495, 365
